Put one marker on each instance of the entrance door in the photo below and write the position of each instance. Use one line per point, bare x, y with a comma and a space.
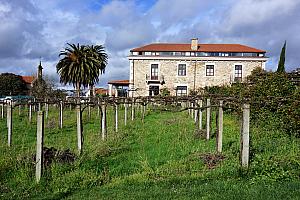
153, 90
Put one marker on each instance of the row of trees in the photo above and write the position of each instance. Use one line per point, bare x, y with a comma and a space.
14, 85
80, 65
11, 85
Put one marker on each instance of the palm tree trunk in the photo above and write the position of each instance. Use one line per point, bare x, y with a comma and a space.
91, 91
78, 92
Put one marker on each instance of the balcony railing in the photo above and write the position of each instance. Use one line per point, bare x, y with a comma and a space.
155, 79
151, 77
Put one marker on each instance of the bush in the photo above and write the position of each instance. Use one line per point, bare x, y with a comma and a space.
268, 93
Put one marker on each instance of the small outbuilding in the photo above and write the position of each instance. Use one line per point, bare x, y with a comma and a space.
118, 88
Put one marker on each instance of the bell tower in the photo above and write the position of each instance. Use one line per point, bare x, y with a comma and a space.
40, 71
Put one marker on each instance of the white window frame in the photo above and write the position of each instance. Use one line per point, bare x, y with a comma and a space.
186, 69
233, 73
154, 63
182, 84
206, 64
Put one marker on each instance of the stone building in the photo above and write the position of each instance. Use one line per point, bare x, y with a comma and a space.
182, 68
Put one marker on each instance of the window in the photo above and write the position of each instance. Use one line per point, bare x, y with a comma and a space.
178, 53
154, 71
237, 72
210, 70
182, 70
181, 90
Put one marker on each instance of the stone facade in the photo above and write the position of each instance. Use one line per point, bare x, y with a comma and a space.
224, 72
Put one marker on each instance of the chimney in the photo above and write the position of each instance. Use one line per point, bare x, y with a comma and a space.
194, 44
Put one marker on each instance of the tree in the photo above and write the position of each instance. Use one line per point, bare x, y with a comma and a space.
281, 62
81, 65
11, 84
40, 89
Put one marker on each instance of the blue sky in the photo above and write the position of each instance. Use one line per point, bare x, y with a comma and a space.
31, 29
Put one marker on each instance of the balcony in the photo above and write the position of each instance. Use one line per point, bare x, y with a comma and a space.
155, 79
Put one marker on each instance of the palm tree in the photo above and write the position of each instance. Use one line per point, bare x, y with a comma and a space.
81, 65
98, 54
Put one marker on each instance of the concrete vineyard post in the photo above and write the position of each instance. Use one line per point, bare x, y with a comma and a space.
103, 121
220, 128
245, 139
2, 110
9, 123
116, 117
125, 113
208, 119
19, 107
196, 117
200, 114
46, 108
79, 128
61, 114
30, 112
39, 145
132, 110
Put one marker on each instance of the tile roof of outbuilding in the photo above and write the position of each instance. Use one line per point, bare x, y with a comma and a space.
119, 82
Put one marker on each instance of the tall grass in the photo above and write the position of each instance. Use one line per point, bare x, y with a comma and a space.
158, 159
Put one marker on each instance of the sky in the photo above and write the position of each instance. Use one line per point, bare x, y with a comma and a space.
34, 29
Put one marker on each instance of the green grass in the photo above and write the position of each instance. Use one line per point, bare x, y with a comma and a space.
157, 159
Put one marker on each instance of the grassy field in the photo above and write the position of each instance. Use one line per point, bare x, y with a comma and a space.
161, 158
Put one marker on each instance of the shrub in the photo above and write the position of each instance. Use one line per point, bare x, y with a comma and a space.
268, 93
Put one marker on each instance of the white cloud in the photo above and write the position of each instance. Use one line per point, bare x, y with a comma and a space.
33, 28
251, 12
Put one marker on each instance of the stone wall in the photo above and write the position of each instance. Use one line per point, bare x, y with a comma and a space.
195, 74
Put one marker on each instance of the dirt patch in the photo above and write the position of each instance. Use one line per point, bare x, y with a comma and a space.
212, 160
51, 124
52, 154
200, 134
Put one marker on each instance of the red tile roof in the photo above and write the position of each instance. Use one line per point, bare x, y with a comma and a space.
119, 82
201, 48
28, 79
102, 91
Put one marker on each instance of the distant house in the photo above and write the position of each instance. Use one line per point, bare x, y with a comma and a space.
182, 68
98, 92
29, 82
